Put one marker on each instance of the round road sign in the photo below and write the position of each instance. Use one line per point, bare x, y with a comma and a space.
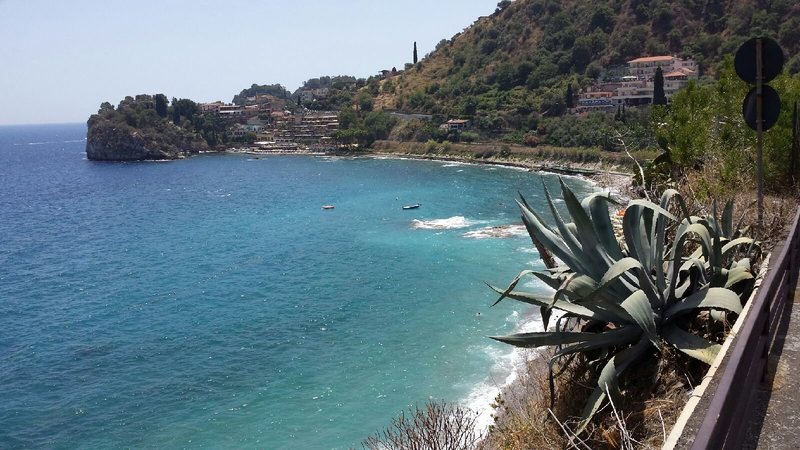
770, 105
771, 60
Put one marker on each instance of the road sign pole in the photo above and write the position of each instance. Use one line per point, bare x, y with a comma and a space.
760, 133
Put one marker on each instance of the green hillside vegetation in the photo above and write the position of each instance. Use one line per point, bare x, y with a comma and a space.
146, 127
509, 68
706, 138
275, 90
340, 92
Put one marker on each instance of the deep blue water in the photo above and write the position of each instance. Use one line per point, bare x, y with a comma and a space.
211, 302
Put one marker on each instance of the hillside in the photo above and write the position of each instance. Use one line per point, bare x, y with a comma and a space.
518, 61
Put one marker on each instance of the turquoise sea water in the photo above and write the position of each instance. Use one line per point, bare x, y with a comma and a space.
211, 302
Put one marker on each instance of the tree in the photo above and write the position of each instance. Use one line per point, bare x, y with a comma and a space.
347, 118
659, 98
570, 97
415, 52
365, 101
161, 105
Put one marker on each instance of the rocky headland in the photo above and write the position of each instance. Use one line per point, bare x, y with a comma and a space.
135, 131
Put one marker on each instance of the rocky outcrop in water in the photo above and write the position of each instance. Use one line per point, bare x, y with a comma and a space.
106, 141
136, 132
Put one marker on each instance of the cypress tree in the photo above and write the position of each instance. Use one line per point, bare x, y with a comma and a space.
176, 112
161, 105
415, 52
570, 98
659, 98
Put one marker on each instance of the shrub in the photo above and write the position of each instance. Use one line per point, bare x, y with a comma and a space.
438, 426
623, 303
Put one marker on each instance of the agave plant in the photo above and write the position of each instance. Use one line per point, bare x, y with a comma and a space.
627, 299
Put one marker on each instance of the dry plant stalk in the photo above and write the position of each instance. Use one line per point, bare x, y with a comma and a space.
437, 426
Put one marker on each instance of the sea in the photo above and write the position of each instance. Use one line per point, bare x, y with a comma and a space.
212, 303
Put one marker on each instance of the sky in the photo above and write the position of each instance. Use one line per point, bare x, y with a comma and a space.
59, 60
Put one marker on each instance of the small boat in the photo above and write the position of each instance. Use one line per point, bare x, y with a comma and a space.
327, 206
412, 206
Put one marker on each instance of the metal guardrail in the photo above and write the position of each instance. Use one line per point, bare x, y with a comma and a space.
726, 419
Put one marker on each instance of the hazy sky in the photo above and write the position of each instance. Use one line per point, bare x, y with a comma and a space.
60, 59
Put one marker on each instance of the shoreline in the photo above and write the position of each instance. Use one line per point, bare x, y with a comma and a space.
509, 375
509, 378
617, 182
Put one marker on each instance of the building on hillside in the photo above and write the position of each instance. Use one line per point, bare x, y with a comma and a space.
255, 124
633, 91
212, 107
230, 110
645, 67
595, 101
237, 131
384, 74
455, 125
259, 99
636, 88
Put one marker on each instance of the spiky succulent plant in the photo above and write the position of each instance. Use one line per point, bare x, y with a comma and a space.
628, 299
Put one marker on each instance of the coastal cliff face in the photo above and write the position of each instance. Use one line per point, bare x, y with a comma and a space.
136, 132
107, 141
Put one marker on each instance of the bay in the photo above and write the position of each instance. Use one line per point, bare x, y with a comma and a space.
212, 303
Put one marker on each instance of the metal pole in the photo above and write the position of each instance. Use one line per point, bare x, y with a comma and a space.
760, 132
793, 166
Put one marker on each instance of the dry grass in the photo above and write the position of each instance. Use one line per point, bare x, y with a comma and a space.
654, 393
779, 208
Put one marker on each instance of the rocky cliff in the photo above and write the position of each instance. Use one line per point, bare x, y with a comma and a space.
135, 132
107, 141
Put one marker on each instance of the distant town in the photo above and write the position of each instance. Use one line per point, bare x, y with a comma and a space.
264, 124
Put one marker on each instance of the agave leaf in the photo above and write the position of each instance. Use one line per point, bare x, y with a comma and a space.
638, 306
737, 275
655, 208
644, 281
546, 312
727, 220
732, 244
743, 263
659, 235
568, 235
607, 382
718, 315
694, 346
634, 230
617, 336
681, 289
609, 281
553, 280
618, 269
511, 286
597, 259
550, 240
577, 286
542, 338
597, 207
586, 312
684, 232
702, 230
715, 297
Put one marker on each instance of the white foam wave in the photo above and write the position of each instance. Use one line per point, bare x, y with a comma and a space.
507, 363
441, 224
502, 231
452, 164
